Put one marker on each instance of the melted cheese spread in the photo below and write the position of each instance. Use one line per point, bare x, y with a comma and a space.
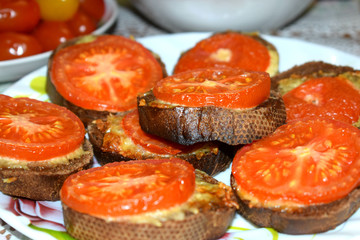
11, 163
274, 63
279, 204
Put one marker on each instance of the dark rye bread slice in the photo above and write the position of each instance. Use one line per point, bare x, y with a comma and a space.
293, 77
306, 220
85, 115
211, 158
41, 181
189, 125
209, 222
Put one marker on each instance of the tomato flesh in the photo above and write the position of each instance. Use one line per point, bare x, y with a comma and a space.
33, 130
226, 50
331, 97
105, 74
222, 87
150, 142
129, 188
306, 161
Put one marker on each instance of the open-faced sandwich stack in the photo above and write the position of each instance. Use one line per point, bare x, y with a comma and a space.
97, 75
41, 144
146, 199
229, 105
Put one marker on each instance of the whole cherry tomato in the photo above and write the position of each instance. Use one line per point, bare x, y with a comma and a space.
95, 8
51, 33
16, 45
58, 10
81, 23
18, 15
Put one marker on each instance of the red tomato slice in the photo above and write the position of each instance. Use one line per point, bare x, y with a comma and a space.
33, 130
106, 74
331, 97
222, 87
226, 50
131, 126
129, 188
304, 162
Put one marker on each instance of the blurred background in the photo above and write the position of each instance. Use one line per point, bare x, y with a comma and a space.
334, 23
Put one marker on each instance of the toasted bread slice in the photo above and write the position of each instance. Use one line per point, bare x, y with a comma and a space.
42, 180
205, 216
111, 144
189, 125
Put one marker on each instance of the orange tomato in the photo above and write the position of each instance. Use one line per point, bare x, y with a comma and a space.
222, 87
230, 49
33, 130
129, 188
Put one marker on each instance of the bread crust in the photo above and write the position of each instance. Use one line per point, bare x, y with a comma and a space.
40, 182
208, 224
189, 125
306, 220
85, 115
216, 159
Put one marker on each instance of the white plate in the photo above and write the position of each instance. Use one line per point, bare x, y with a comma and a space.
14, 69
169, 47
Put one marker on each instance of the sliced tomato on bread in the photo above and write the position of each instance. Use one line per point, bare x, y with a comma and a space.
248, 51
220, 87
146, 199
229, 105
333, 97
131, 126
32, 130
306, 173
103, 73
299, 157
128, 188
